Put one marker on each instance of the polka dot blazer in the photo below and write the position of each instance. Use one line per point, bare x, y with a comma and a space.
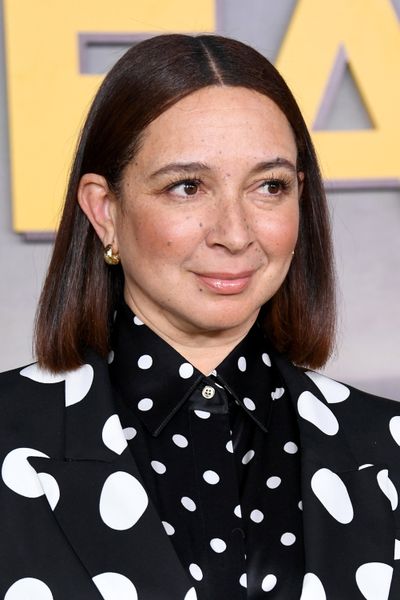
77, 522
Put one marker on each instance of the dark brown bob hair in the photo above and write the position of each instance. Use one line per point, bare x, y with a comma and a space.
81, 292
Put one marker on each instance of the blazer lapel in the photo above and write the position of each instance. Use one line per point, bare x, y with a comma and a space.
347, 519
98, 499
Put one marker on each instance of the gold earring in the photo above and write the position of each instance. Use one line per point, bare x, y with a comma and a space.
109, 256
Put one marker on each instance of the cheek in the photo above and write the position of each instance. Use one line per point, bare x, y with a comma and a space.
279, 235
156, 235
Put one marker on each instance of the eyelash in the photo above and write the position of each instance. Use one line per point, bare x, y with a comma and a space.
284, 184
176, 183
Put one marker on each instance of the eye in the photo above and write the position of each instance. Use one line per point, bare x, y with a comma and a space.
189, 187
273, 187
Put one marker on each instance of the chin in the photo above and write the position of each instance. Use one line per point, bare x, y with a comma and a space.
223, 320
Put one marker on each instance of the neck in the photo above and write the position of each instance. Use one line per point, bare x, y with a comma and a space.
204, 349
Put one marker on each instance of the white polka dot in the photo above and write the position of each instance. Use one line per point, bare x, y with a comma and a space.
186, 370
145, 361
202, 414
129, 433
123, 501
158, 467
317, 413
387, 487
374, 579
300, 504
268, 583
196, 572
256, 516
168, 528
396, 549
333, 495
28, 588
188, 503
229, 446
40, 375
242, 364
248, 456
243, 580
278, 393
211, 477
114, 586
18, 474
78, 384
312, 588
273, 482
145, 404
287, 539
191, 595
238, 511
290, 448
333, 391
137, 321
361, 467
113, 436
218, 545
266, 359
249, 404
50, 488
180, 440
110, 357
394, 427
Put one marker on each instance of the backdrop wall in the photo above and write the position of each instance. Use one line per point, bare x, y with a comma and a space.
366, 225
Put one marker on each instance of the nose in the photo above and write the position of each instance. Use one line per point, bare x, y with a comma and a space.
230, 226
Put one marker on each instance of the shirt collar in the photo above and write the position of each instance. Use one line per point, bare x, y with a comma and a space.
155, 380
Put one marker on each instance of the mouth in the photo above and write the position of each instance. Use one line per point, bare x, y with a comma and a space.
226, 283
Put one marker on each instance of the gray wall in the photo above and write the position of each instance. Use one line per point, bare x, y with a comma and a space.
366, 230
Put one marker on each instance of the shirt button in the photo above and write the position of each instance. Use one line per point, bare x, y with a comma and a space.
208, 392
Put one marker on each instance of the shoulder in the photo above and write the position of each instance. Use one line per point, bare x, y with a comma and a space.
25, 384
33, 403
31, 408
353, 403
24, 387
34, 385
370, 423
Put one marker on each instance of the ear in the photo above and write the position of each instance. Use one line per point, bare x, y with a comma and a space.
98, 203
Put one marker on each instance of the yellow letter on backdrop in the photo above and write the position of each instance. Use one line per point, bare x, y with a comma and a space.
369, 31
48, 96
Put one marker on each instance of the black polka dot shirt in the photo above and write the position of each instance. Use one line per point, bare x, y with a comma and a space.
219, 458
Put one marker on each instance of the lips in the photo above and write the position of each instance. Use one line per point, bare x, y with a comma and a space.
226, 283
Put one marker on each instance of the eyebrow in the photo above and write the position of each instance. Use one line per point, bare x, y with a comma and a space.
188, 168
180, 168
273, 164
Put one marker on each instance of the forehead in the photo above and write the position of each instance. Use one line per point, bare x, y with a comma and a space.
220, 123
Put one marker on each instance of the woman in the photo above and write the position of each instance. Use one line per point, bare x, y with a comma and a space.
197, 461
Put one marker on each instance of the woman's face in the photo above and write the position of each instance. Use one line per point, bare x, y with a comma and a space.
209, 211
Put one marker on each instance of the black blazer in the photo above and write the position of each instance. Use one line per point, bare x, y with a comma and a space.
76, 522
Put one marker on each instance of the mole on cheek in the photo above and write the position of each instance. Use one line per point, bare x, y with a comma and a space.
200, 224
169, 243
